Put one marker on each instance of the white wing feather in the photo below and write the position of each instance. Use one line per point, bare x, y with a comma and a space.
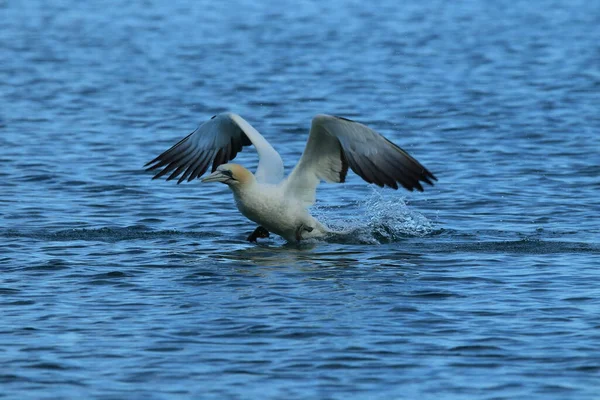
270, 165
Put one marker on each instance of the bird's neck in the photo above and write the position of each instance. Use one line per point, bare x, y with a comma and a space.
243, 189
246, 197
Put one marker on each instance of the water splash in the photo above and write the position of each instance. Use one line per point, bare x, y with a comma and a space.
380, 218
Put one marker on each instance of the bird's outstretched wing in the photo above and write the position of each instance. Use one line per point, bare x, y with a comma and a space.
336, 144
217, 141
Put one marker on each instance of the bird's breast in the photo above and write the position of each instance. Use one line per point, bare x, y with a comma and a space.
270, 209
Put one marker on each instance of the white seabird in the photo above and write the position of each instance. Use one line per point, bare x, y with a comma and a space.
278, 204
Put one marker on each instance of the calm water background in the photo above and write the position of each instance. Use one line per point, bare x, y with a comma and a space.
484, 286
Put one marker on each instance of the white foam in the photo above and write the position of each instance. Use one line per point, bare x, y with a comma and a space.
381, 218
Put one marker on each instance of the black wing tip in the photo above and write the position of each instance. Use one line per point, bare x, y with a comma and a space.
427, 177
151, 168
424, 177
148, 166
409, 180
411, 184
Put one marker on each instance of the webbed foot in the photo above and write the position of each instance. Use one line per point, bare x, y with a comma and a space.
301, 229
259, 232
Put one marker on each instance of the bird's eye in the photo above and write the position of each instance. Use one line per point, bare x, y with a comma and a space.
227, 172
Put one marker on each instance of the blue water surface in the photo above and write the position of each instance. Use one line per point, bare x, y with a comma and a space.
484, 286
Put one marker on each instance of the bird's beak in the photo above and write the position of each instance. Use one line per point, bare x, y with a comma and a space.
216, 176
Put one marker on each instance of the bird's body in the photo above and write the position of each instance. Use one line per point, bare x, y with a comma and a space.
278, 204
267, 205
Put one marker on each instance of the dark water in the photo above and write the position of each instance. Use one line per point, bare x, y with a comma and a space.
485, 286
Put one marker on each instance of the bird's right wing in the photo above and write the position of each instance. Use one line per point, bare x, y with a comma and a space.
335, 143
217, 141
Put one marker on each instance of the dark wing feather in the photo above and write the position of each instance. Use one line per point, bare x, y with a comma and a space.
216, 141
376, 159
336, 144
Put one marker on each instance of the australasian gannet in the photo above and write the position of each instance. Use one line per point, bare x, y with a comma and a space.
278, 204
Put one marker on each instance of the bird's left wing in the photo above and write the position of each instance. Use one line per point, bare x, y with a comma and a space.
335, 143
217, 141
